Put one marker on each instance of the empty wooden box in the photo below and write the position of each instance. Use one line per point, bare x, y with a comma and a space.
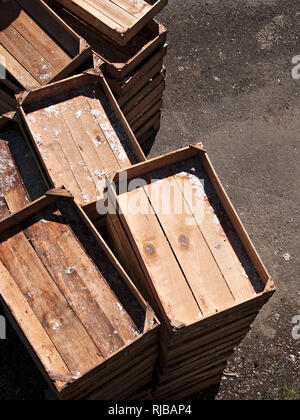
178, 235
80, 135
21, 157
127, 87
118, 61
36, 45
120, 20
85, 324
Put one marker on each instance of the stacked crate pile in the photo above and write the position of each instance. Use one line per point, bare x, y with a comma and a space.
132, 59
190, 255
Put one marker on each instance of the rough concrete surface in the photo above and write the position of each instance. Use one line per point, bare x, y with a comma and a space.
230, 86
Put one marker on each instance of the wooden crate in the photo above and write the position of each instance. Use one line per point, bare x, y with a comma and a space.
193, 260
85, 324
80, 135
36, 44
149, 129
119, 61
119, 20
139, 105
126, 88
13, 193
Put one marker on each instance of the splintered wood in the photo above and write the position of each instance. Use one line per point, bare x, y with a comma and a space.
79, 137
181, 214
37, 46
75, 306
120, 20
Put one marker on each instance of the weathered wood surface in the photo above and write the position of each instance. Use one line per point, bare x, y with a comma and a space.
119, 61
71, 303
36, 45
120, 20
13, 194
81, 136
178, 235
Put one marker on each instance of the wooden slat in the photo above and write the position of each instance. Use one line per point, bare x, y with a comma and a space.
51, 23
17, 70
225, 256
167, 279
82, 284
136, 8
113, 138
189, 245
120, 20
45, 128
28, 57
111, 10
41, 41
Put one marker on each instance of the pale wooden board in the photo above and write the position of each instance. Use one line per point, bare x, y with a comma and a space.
226, 253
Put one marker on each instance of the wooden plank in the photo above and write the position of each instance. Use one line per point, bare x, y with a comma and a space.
145, 103
82, 284
157, 106
46, 127
117, 19
30, 326
52, 24
192, 252
157, 80
113, 137
168, 282
27, 55
50, 306
41, 41
17, 70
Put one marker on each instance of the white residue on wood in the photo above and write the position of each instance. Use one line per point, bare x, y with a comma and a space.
70, 270
120, 308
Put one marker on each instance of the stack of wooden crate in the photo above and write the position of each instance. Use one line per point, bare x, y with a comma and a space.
131, 45
177, 234
87, 325
81, 318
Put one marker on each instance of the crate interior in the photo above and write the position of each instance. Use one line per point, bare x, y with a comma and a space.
107, 49
80, 140
34, 45
177, 216
23, 159
73, 290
